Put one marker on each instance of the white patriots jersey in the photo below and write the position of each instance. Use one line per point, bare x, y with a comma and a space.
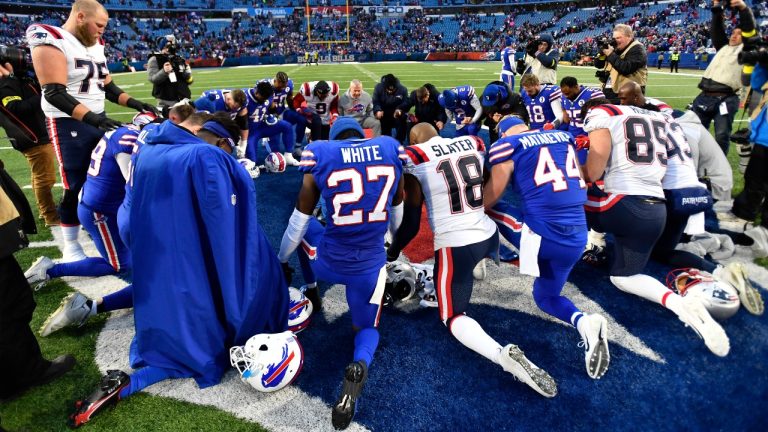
638, 158
86, 67
661, 105
450, 171
321, 106
681, 170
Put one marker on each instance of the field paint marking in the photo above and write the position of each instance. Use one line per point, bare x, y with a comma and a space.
54, 185
368, 73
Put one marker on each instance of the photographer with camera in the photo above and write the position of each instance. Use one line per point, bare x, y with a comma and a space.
621, 59
751, 202
23, 120
721, 82
169, 74
540, 59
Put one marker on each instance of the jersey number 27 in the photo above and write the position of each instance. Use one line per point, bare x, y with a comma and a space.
357, 192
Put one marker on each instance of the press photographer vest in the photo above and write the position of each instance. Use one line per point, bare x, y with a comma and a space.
724, 69
639, 76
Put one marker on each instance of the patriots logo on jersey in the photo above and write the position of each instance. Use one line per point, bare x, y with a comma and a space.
39, 35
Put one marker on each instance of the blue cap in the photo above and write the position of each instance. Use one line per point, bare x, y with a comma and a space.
345, 123
509, 122
494, 93
447, 99
546, 37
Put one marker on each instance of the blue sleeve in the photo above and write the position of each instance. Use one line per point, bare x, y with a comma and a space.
759, 77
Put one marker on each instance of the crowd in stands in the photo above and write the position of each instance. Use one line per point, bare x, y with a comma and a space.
682, 27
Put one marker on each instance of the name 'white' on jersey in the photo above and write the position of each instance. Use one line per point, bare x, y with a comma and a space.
638, 149
450, 171
86, 67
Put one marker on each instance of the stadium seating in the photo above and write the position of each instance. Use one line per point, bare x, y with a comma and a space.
683, 25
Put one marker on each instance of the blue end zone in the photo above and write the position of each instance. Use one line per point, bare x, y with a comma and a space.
422, 379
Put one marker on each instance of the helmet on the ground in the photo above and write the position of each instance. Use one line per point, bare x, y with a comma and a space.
720, 299
299, 310
268, 361
275, 162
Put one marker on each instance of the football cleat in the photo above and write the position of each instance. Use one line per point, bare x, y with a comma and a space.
513, 360
107, 394
344, 409
735, 275
479, 271
695, 315
595, 344
313, 295
74, 310
37, 274
731, 222
594, 255
289, 159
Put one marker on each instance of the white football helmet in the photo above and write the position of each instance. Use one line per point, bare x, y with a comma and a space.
275, 162
401, 282
720, 299
299, 310
250, 166
268, 361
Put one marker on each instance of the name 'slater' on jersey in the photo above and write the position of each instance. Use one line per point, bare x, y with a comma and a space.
450, 171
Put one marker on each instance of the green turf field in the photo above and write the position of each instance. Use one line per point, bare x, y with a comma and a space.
46, 408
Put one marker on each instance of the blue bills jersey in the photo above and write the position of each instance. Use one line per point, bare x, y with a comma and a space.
256, 110
280, 97
546, 175
540, 106
213, 101
508, 59
357, 181
104, 187
573, 108
464, 108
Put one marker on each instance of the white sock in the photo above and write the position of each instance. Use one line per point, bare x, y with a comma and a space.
471, 335
580, 325
596, 238
70, 234
648, 288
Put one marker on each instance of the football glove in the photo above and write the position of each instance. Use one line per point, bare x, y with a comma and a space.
548, 126
582, 142
104, 123
334, 117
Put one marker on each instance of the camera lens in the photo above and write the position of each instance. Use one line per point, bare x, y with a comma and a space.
15, 56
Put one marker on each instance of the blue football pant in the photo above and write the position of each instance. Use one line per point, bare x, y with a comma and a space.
555, 263
261, 130
115, 256
298, 121
359, 290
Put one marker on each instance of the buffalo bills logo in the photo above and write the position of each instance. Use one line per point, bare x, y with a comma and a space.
358, 108
273, 374
295, 308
